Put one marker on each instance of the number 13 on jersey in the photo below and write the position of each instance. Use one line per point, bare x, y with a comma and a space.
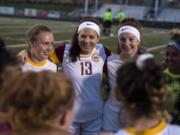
86, 68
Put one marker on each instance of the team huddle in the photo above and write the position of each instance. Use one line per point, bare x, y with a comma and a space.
38, 99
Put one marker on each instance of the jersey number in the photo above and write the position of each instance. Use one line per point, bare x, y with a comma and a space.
86, 68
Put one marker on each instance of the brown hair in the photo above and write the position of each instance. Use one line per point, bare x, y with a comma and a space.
36, 98
143, 90
75, 49
132, 22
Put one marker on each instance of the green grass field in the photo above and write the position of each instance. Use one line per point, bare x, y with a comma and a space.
13, 30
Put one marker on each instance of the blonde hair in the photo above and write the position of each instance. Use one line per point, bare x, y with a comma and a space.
175, 31
32, 98
32, 33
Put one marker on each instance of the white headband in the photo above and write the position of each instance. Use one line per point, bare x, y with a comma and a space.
129, 29
90, 25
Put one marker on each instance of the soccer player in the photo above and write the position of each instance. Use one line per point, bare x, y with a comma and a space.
83, 62
172, 72
40, 42
129, 39
144, 98
107, 22
120, 16
43, 105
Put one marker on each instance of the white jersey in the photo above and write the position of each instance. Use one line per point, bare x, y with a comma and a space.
111, 118
37, 67
161, 129
86, 76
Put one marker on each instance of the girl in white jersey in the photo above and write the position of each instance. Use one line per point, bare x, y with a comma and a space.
83, 62
128, 48
141, 88
40, 42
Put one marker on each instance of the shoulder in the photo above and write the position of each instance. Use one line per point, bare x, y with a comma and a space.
114, 59
57, 55
173, 129
103, 47
113, 63
61, 47
50, 62
171, 75
51, 65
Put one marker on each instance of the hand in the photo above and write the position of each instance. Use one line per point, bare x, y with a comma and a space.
23, 56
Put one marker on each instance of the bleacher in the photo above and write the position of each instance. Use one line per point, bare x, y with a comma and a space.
136, 11
169, 15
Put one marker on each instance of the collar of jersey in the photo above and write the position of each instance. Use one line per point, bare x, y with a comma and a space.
151, 131
175, 76
86, 55
40, 64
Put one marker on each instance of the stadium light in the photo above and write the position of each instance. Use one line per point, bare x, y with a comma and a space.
96, 5
156, 8
86, 5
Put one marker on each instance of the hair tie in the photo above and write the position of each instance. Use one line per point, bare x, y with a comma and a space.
140, 60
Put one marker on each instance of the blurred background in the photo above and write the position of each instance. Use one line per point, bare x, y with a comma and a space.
62, 16
158, 10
